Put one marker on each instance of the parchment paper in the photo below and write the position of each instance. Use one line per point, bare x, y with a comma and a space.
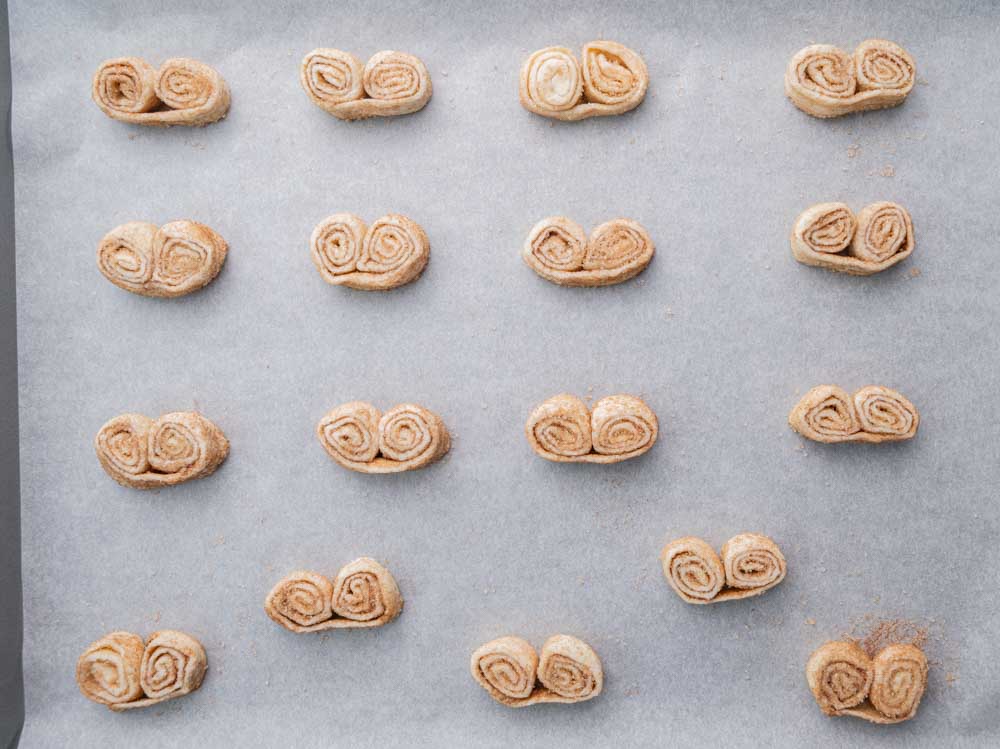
721, 335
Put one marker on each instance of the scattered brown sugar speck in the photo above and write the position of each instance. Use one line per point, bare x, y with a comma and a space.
853, 150
811, 622
951, 678
872, 633
888, 171
914, 272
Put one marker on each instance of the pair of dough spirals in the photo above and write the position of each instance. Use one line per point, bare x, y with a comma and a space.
182, 92
619, 427
611, 80
827, 235
357, 436
873, 414
844, 680
391, 252
167, 261
363, 594
824, 81
390, 83
558, 250
748, 565
513, 674
142, 453
122, 672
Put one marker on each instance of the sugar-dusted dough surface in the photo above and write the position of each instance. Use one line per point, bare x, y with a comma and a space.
722, 334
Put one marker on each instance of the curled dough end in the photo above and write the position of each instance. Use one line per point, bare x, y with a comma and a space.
825, 414
506, 668
612, 80
753, 564
873, 414
824, 81
141, 453
839, 675
570, 669
108, 670
693, 569
389, 84
364, 594
393, 251
898, 682
510, 670
182, 92
168, 261
357, 436
562, 429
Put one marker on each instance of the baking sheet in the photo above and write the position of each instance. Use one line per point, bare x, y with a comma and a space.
721, 335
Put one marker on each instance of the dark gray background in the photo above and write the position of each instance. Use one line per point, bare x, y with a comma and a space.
721, 335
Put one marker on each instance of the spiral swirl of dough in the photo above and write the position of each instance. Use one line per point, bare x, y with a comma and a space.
125, 255
349, 432
882, 65
409, 433
560, 428
300, 600
364, 591
825, 414
826, 228
141, 453
622, 425
173, 665
824, 81
108, 670
556, 244
883, 231
332, 76
612, 80
182, 92
752, 562
391, 83
506, 668
839, 675
898, 682
693, 569
570, 668
884, 413
336, 245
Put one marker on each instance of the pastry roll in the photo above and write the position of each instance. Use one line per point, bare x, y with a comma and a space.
391, 252
827, 235
389, 84
873, 414
141, 453
364, 594
612, 80
357, 436
123, 673
167, 261
750, 564
558, 250
824, 81
510, 670
564, 430
885, 689
182, 92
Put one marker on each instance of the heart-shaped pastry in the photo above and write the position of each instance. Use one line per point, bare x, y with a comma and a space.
748, 565
873, 414
122, 672
885, 689
364, 594
564, 430
559, 251
167, 261
391, 252
513, 674
827, 235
